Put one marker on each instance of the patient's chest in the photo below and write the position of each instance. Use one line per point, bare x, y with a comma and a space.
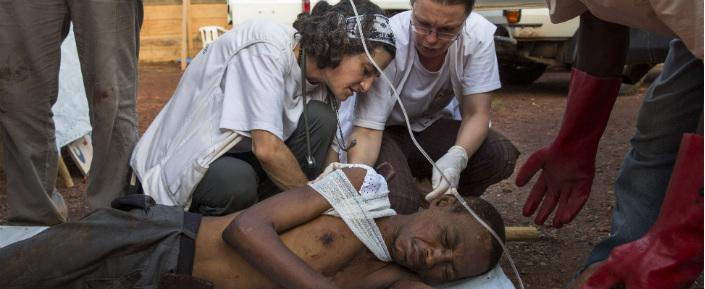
326, 244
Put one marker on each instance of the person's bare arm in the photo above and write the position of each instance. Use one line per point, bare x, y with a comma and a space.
391, 276
277, 160
331, 157
254, 233
602, 46
475, 109
366, 149
409, 284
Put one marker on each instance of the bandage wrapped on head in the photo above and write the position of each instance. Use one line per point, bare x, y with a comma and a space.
358, 209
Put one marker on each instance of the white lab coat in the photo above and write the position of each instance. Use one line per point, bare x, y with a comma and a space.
248, 79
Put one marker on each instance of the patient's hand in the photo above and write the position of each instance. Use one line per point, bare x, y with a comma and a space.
410, 284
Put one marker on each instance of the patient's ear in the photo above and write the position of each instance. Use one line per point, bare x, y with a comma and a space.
443, 201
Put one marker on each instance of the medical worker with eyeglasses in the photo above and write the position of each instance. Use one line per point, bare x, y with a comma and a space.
444, 71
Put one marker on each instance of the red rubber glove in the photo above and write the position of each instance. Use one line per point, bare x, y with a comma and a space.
568, 163
670, 255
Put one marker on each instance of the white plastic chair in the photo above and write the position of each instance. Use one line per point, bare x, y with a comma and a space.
210, 34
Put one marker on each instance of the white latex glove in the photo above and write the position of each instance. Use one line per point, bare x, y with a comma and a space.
451, 164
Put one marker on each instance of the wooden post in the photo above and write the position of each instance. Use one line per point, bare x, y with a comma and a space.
189, 37
521, 233
184, 32
64, 174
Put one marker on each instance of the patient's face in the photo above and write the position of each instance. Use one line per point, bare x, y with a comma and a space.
441, 245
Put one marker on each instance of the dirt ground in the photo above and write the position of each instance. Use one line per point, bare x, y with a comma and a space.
530, 116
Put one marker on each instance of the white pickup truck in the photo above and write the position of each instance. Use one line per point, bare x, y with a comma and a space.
285, 11
526, 41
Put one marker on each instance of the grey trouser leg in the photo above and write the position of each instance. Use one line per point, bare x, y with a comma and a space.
230, 185
107, 36
322, 126
672, 106
107, 249
236, 181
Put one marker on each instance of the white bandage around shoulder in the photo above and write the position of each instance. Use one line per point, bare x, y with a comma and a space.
358, 209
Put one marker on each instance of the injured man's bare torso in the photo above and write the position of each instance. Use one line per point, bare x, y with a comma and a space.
325, 243
441, 243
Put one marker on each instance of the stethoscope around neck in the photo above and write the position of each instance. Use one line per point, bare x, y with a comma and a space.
310, 160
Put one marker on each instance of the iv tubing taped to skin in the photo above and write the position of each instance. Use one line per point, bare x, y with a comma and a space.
453, 190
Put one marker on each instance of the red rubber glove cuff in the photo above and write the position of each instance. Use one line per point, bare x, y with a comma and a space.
568, 163
670, 255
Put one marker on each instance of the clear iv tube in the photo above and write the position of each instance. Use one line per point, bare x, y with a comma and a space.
453, 190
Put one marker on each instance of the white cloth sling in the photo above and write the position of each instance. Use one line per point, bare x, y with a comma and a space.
359, 209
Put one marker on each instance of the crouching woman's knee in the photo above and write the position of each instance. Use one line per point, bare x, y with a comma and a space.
493, 162
230, 185
321, 118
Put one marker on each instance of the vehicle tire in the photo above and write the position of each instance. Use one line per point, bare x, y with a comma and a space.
520, 73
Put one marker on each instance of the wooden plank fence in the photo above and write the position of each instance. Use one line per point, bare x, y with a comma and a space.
160, 38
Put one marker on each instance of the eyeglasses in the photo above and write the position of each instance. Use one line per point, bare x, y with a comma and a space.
443, 33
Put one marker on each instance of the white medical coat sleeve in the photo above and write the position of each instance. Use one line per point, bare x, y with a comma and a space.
480, 71
254, 90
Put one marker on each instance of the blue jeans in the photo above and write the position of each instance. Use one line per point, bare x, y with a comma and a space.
672, 106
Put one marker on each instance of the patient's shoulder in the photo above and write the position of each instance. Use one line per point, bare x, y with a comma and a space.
365, 178
356, 176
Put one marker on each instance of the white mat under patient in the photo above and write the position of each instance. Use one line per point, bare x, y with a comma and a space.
494, 279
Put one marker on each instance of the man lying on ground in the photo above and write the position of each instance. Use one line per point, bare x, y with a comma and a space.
288, 240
